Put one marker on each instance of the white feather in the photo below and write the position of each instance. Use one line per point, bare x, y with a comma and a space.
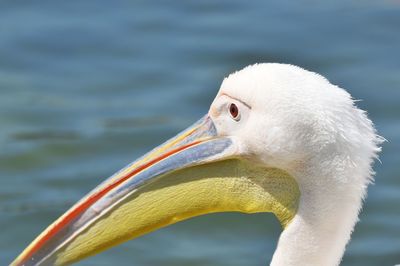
303, 124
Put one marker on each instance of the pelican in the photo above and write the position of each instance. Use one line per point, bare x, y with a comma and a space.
277, 138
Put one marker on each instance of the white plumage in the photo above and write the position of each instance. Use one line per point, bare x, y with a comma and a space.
297, 121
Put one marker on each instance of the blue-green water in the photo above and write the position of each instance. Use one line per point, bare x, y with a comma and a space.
87, 86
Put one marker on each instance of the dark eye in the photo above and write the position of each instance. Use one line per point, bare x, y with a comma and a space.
234, 111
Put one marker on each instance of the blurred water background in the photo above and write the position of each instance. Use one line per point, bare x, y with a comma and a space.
88, 86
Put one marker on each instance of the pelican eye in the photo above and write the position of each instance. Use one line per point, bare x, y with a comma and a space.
234, 111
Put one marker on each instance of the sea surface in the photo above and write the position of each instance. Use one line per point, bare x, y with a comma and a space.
88, 86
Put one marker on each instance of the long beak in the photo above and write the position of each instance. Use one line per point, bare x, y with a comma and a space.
191, 174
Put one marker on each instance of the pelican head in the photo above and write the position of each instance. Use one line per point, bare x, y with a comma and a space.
277, 138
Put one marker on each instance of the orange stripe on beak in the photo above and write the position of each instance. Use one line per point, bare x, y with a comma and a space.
84, 205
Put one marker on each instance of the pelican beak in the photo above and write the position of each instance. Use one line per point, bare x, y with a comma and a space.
194, 173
